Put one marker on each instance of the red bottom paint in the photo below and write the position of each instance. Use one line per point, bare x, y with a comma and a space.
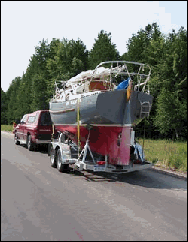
104, 140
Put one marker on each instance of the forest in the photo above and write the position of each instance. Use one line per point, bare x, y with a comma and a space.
63, 59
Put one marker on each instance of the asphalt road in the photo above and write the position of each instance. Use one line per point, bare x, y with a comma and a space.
40, 203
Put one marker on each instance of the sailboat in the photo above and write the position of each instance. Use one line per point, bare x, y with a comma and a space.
104, 104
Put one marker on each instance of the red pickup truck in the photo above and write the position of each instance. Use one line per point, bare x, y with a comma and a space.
34, 128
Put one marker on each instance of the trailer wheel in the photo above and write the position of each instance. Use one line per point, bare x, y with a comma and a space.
61, 167
16, 141
53, 157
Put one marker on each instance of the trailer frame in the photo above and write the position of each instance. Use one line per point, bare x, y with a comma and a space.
61, 156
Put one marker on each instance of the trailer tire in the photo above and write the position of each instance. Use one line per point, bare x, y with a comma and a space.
53, 157
61, 167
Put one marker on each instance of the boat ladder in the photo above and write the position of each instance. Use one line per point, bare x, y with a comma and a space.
145, 109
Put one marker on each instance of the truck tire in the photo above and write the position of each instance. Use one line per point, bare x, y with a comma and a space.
16, 141
30, 144
61, 167
53, 157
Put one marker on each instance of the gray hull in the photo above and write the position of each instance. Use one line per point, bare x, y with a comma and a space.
107, 108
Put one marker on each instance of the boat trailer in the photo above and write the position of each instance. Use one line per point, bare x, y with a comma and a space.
64, 152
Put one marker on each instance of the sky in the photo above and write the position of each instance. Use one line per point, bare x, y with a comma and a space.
25, 23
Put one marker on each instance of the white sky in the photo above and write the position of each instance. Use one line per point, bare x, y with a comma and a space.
25, 23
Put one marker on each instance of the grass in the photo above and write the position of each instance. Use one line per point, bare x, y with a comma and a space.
166, 153
7, 127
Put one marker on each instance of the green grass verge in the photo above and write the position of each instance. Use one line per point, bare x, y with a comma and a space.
166, 153
7, 127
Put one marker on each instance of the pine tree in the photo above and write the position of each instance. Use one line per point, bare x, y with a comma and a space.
103, 50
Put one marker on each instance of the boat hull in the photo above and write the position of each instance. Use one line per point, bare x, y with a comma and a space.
101, 108
104, 140
110, 114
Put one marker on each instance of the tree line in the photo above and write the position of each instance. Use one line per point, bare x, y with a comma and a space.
63, 59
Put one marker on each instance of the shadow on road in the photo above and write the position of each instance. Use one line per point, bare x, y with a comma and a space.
92, 176
43, 148
38, 148
145, 178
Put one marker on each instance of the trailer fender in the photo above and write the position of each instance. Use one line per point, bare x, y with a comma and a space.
64, 151
52, 146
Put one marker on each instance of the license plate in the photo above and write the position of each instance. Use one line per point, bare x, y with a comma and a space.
99, 168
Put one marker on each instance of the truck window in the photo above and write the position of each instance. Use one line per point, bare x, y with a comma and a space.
23, 120
45, 119
31, 119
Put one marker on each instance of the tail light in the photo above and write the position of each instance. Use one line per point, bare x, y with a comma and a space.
35, 130
100, 162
